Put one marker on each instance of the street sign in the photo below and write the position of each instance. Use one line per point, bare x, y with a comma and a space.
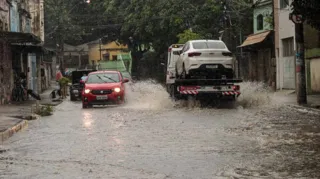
297, 19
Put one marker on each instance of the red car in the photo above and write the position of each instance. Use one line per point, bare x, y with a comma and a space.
104, 87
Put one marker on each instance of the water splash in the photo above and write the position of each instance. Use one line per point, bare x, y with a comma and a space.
152, 95
148, 95
254, 94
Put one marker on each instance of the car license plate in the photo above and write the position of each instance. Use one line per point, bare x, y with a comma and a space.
102, 97
75, 91
212, 66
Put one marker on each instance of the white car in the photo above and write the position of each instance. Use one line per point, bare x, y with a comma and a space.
204, 58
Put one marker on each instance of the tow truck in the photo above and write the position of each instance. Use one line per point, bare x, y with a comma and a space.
198, 88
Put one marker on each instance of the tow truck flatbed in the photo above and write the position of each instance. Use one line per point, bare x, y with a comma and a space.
201, 82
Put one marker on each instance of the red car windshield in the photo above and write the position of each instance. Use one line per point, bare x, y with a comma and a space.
99, 78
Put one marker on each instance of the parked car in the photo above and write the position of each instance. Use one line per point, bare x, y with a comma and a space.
208, 58
103, 88
77, 86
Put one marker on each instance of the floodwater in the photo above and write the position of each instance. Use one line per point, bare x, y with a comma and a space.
154, 137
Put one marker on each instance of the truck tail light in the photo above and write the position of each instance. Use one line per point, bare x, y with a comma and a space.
170, 49
185, 88
194, 54
236, 88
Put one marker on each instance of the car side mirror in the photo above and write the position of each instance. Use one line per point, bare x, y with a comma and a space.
126, 80
177, 52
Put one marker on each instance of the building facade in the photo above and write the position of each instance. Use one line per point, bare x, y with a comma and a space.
21, 51
284, 45
109, 51
259, 46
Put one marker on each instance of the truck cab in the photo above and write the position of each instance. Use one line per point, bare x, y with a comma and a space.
171, 68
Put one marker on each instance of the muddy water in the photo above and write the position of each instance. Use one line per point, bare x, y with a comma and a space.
154, 137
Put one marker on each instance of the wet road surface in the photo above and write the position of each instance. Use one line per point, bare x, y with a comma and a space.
141, 140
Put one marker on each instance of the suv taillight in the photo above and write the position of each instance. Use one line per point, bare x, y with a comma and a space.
229, 54
193, 54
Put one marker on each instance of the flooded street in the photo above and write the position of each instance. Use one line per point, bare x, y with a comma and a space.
153, 137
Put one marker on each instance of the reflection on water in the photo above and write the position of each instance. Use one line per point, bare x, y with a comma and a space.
87, 120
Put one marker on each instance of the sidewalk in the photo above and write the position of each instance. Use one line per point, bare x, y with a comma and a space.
289, 97
12, 117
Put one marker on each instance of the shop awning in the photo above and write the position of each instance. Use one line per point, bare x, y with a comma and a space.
31, 49
255, 38
19, 37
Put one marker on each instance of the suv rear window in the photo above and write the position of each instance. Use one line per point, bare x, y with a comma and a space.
208, 45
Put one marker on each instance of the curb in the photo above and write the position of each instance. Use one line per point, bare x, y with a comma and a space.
11, 131
315, 109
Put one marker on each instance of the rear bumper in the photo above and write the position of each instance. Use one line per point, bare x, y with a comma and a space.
215, 73
209, 95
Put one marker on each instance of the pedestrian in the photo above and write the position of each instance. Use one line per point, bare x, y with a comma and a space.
58, 77
83, 78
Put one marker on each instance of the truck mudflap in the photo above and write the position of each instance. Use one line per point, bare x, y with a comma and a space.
217, 93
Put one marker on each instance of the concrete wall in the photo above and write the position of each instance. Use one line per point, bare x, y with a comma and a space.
37, 23
6, 77
285, 65
315, 75
4, 16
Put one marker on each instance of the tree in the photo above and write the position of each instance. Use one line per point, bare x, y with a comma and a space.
188, 35
158, 22
75, 22
309, 9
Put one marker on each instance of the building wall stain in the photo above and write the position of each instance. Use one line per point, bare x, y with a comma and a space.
5, 73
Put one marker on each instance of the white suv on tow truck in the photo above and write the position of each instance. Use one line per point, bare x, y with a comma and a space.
210, 59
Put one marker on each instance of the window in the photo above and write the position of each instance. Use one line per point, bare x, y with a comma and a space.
1, 25
260, 22
114, 57
284, 4
103, 78
185, 47
208, 45
106, 57
288, 47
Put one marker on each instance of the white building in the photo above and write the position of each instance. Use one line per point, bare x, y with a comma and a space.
284, 45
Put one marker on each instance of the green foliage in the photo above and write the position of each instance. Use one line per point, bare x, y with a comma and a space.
64, 81
188, 35
45, 110
269, 20
159, 22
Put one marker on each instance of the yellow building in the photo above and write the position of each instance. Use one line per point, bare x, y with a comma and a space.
109, 51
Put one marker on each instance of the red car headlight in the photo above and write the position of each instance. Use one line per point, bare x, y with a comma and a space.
87, 91
117, 90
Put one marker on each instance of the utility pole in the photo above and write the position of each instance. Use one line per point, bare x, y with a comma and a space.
301, 88
100, 48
